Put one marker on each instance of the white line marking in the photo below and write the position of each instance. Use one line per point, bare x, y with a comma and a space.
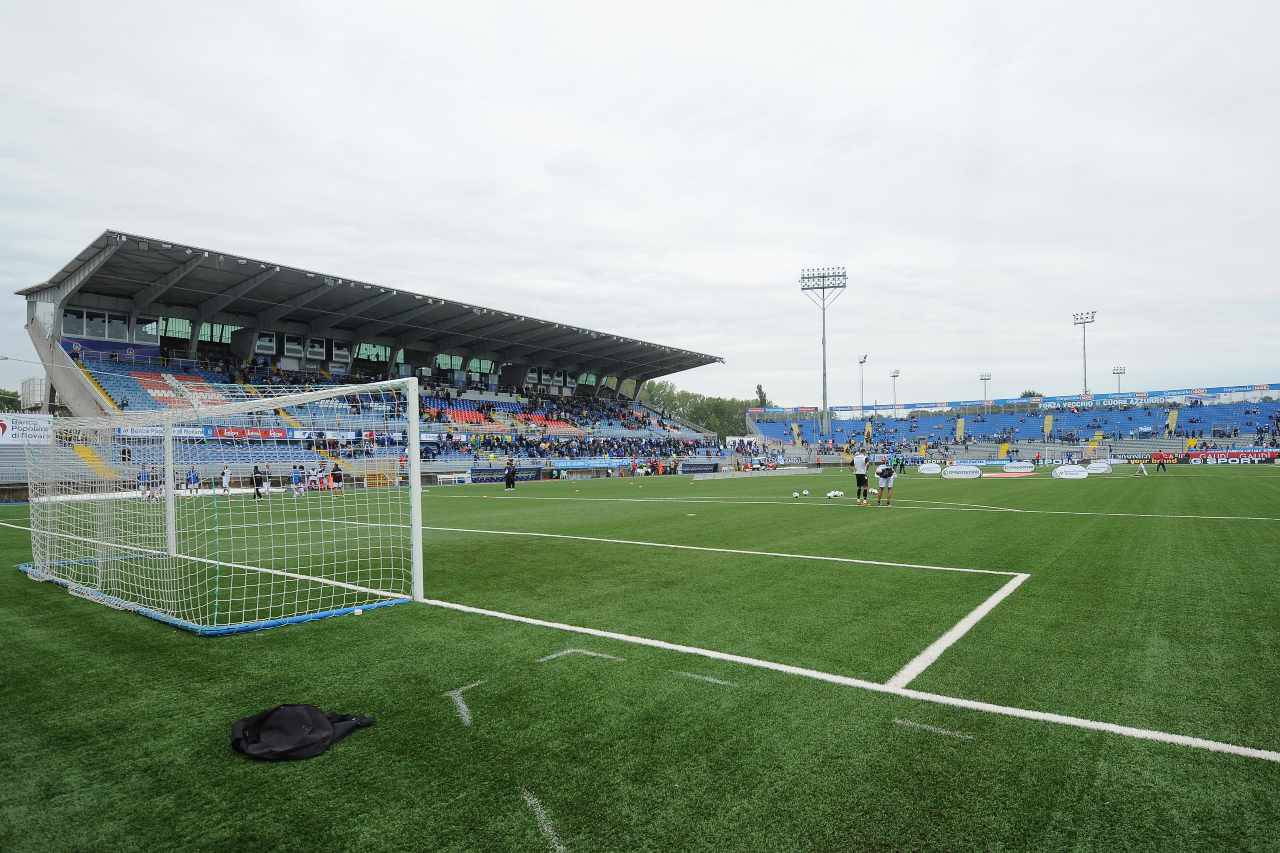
926, 658
586, 652
725, 550
955, 503
706, 678
460, 704
544, 822
952, 508
924, 727
152, 552
846, 681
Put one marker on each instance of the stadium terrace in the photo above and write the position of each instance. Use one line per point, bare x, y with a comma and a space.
1179, 421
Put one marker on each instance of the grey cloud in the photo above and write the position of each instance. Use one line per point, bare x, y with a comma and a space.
664, 172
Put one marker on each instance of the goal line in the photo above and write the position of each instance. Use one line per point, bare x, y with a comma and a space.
120, 604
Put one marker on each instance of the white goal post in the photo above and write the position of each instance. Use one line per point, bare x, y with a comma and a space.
235, 509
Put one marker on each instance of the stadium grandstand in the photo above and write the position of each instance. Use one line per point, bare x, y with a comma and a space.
1177, 421
134, 324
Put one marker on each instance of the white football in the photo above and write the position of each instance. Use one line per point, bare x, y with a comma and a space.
795, 494
839, 493
873, 491
806, 493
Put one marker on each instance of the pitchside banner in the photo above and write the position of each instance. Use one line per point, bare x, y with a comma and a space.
245, 432
26, 429
1231, 457
496, 475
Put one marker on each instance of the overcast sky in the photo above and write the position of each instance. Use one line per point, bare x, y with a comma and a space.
664, 171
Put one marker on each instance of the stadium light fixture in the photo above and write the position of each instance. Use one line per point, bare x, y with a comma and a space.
984, 378
1119, 371
1083, 319
823, 287
894, 376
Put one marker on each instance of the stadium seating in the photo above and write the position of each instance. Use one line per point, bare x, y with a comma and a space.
1231, 421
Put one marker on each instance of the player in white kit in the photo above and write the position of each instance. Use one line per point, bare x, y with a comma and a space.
860, 475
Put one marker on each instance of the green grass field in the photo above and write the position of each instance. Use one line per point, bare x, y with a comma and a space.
1150, 603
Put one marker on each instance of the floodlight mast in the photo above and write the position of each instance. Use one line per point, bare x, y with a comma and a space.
823, 286
862, 386
1083, 319
984, 378
1119, 371
894, 376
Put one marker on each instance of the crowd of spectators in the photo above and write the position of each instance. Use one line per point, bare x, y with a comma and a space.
573, 447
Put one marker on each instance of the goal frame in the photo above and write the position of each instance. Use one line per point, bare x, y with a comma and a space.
166, 420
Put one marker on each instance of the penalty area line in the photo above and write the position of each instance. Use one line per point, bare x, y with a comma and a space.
926, 658
948, 506
708, 549
874, 687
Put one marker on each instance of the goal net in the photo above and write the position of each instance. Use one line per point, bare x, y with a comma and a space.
221, 515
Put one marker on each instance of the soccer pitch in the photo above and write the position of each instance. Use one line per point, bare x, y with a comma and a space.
676, 664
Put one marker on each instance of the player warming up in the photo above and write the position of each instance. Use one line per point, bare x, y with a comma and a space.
859, 464
885, 476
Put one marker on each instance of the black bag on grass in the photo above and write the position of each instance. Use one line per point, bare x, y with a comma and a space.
286, 732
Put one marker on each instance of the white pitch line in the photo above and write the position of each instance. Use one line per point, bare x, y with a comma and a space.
846, 681
926, 658
925, 727
586, 652
954, 503
850, 504
740, 551
460, 704
152, 552
707, 678
544, 822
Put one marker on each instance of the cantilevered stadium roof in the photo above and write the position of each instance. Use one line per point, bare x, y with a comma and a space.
145, 276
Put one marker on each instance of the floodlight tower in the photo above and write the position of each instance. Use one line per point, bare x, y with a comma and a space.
1083, 319
894, 376
823, 286
862, 386
984, 378
1119, 371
